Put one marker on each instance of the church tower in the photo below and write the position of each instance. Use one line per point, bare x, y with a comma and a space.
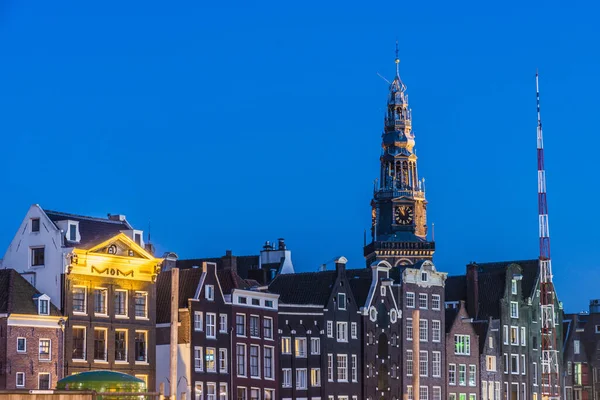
399, 208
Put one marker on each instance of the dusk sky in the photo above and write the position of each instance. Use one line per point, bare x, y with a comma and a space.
226, 124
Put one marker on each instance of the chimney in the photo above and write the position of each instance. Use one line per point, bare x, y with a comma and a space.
149, 247
229, 261
281, 244
595, 306
170, 261
340, 264
323, 267
116, 217
473, 290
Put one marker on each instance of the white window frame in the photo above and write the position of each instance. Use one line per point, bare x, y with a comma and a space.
315, 345
299, 385
505, 331
85, 293
513, 285
354, 330
423, 296
516, 336
341, 334
198, 321
409, 329
211, 328
514, 356
342, 367
410, 299
354, 368
466, 339
244, 334
24, 345
237, 372
258, 371
298, 346
436, 364
223, 357
436, 299
286, 345
222, 323
423, 330
223, 394
22, 374
198, 350
514, 309
329, 329
523, 337
315, 377
523, 364
452, 370
473, 371
213, 395
264, 329
254, 317
49, 379
286, 377
198, 394
423, 363
272, 376
329, 367
436, 338
341, 304
31, 250
209, 292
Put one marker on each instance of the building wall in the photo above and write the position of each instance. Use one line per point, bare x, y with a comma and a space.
184, 369
29, 361
462, 327
46, 279
3, 347
491, 389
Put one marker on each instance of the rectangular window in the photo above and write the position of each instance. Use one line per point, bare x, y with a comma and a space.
523, 337
44, 381
513, 285
342, 368
341, 301
44, 306
409, 329
484, 390
254, 326
268, 327
490, 362
436, 363
35, 224
423, 330
330, 367
462, 344
286, 377
330, 329
514, 335
286, 345
423, 363
141, 304
342, 331
523, 364
37, 257
409, 362
435, 301
223, 391
79, 299
505, 330
254, 366
121, 345
354, 368
198, 360
241, 359
121, 303
423, 393
315, 377
410, 300
211, 391
423, 300
100, 344
100, 301
491, 342
514, 309
353, 330
462, 374
437, 393
198, 392
409, 392
209, 291
223, 323
576, 346
20, 379
497, 390
254, 394
472, 374
211, 327
240, 325
534, 377
44, 351
436, 330
301, 378
78, 341
242, 393
21, 345
505, 363
223, 361
452, 374
211, 362
269, 394
514, 363
268, 362
198, 323
300, 347
315, 345
141, 340
72, 232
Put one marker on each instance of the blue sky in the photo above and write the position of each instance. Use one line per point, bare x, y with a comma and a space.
226, 126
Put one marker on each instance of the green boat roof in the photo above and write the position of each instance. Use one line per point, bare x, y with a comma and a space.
102, 380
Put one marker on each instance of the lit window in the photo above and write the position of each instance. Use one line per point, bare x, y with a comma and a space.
490, 362
198, 392
211, 362
462, 344
315, 377
44, 353
514, 335
286, 345
300, 347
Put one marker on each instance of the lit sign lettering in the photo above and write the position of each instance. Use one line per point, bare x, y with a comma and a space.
112, 272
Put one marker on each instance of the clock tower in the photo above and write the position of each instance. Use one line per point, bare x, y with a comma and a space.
399, 208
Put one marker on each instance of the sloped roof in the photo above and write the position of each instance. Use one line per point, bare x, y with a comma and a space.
93, 230
230, 280
188, 283
244, 264
451, 314
360, 284
17, 295
456, 288
304, 288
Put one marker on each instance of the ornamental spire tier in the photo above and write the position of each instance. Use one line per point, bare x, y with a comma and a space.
399, 208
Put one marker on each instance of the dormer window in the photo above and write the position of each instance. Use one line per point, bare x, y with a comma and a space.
72, 233
43, 305
424, 276
137, 237
35, 224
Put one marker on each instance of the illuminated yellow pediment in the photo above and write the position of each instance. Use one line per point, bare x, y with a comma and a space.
118, 257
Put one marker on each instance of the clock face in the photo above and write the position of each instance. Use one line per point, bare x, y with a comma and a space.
404, 215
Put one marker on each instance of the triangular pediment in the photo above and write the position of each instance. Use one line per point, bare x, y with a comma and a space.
121, 246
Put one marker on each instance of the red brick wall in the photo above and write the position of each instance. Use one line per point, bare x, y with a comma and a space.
3, 366
29, 362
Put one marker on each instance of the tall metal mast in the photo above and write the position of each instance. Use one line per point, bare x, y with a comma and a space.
550, 364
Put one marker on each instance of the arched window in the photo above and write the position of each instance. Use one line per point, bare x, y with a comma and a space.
393, 316
371, 337
382, 378
394, 339
382, 316
372, 314
382, 347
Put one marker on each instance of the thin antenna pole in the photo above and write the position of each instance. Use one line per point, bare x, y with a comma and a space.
397, 60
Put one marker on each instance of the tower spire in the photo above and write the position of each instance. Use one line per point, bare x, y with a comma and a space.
397, 61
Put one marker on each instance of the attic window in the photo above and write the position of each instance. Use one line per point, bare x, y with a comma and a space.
72, 232
35, 224
341, 301
424, 276
138, 239
513, 286
43, 307
210, 292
